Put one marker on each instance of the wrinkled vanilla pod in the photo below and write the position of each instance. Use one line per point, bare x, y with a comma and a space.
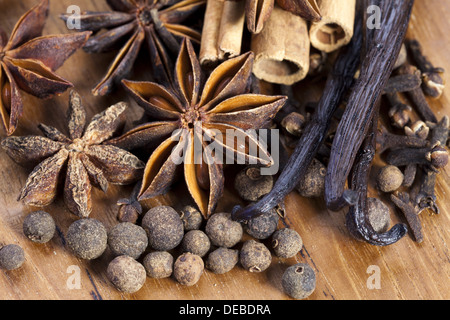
339, 81
376, 68
357, 219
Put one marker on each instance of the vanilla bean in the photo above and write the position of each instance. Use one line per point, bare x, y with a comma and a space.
339, 81
357, 220
376, 68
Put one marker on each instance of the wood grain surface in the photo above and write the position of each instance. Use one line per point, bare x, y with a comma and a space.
408, 270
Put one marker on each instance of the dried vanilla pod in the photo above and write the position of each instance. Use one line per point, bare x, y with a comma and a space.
25, 62
82, 156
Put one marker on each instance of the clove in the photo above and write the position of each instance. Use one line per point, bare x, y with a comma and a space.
399, 113
403, 83
387, 140
417, 96
435, 157
403, 202
432, 82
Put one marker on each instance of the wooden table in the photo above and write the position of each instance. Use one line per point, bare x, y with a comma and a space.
407, 270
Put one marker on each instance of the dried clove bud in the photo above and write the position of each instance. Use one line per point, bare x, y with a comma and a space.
399, 113
294, 123
389, 179
418, 129
433, 84
435, 157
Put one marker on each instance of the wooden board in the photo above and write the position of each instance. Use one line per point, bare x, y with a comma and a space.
343, 265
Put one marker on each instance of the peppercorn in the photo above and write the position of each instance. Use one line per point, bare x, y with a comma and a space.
164, 228
191, 217
390, 178
262, 226
299, 281
251, 185
378, 214
223, 231
126, 274
87, 238
286, 243
196, 242
254, 256
39, 227
222, 260
127, 238
12, 257
313, 183
158, 264
188, 269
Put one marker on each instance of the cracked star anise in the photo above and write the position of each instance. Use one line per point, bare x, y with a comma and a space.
205, 118
82, 155
257, 12
153, 22
28, 61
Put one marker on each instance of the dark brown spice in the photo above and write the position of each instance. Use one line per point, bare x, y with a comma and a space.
196, 242
12, 257
286, 243
222, 260
128, 239
158, 264
403, 202
87, 238
299, 281
39, 227
223, 231
126, 274
262, 227
389, 179
255, 256
390, 141
188, 268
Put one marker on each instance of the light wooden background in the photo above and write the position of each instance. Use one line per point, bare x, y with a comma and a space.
408, 270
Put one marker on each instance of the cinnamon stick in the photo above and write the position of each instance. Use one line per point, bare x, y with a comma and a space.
336, 27
282, 49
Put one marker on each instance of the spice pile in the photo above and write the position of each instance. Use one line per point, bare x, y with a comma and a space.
236, 72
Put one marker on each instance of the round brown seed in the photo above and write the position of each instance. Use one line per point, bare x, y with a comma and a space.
87, 238
286, 243
196, 242
389, 179
251, 185
223, 231
312, 184
222, 260
128, 239
12, 257
262, 226
254, 256
191, 217
164, 228
39, 227
158, 264
126, 274
299, 281
188, 269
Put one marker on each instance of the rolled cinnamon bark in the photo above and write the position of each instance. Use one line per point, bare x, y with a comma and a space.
209, 50
335, 30
282, 49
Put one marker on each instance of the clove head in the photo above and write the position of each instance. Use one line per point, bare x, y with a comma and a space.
438, 156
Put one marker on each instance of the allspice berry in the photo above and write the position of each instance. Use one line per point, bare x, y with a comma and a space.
12, 257
196, 242
158, 264
39, 227
191, 217
223, 231
188, 269
164, 228
378, 214
313, 183
126, 274
251, 185
389, 179
222, 260
286, 243
128, 239
262, 226
255, 256
87, 238
299, 281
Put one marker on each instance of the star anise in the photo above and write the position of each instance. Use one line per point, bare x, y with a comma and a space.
82, 155
28, 62
208, 114
155, 22
257, 12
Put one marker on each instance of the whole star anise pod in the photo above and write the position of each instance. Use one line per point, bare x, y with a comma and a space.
154, 22
205, 119
28, 62
257, 12
82, 155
